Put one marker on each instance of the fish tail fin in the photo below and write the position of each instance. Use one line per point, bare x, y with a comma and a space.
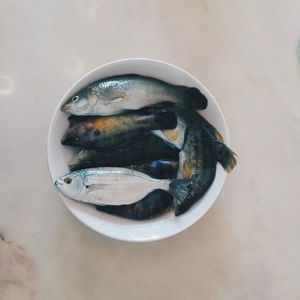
166, 120
195, 99
180, 188
181, 208
226, 157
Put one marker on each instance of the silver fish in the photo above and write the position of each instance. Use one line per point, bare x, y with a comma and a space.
116, 186
113, 95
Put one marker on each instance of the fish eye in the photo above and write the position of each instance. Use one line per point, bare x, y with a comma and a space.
75, 98
68, 180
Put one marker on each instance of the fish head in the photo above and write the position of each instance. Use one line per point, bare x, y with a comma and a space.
81, 161
85, 102
72, 136
81, 103
79, 134
71, 184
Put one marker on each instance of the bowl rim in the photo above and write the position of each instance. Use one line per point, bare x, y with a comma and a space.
132, 59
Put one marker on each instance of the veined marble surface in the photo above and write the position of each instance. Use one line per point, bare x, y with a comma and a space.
247, 246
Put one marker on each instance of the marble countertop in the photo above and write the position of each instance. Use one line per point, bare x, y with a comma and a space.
247, 246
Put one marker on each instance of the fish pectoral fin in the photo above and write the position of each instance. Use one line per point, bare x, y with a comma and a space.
115, 100
95, 187
113, 95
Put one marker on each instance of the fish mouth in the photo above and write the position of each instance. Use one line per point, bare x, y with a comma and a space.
66, 108
65, 140
57, 183
69, 139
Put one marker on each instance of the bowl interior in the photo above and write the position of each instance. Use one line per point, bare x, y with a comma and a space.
58, 156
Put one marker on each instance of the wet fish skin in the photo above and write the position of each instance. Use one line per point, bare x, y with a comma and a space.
152, 205
107, 132
159, 169
115, 94
115, 186
148, 148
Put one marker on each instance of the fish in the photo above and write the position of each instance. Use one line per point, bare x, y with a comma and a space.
144, 150
197, 162
112, 131
155, 203
114, 95
159, 169
201, 149
116, 186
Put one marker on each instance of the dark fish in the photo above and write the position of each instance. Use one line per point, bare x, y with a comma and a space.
198, 163
154, 204
113, 95
160, 169
144, 150
202, 147
107, 132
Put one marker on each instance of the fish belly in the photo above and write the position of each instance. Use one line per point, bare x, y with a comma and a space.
122, 190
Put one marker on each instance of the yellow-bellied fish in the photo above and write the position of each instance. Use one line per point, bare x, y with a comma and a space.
110, 131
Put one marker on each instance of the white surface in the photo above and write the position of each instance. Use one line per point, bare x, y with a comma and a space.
247, 245
130, 230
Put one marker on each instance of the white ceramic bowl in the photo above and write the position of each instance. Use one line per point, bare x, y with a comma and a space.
115, 227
